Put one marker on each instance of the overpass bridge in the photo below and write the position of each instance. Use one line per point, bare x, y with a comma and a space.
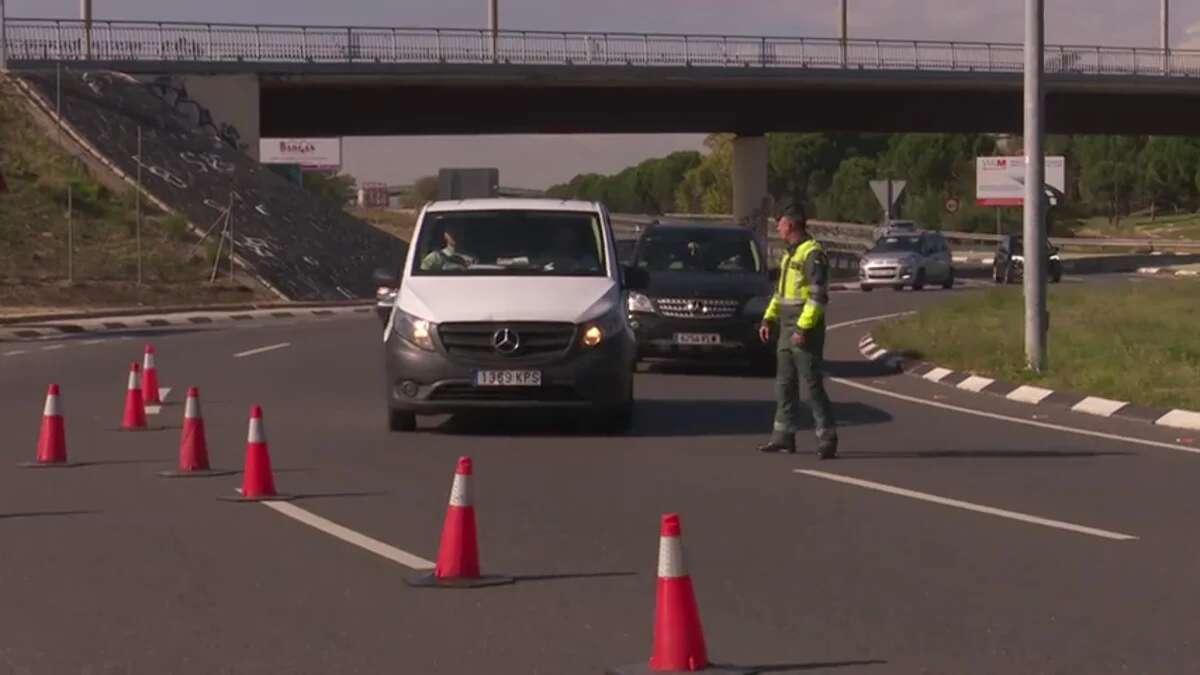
277, 80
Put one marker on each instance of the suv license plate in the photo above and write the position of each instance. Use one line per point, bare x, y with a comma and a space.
698, 338
508, 378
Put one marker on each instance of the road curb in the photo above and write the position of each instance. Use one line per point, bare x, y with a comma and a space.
1167, 272
1175, 418
13, 328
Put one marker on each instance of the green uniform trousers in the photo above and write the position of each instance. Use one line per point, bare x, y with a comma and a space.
796, 365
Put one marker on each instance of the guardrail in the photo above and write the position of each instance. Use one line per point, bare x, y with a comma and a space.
41, 40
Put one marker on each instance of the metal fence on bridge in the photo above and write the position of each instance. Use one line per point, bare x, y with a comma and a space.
42, 40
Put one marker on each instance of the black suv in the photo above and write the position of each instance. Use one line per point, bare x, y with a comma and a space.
1008, 264
708, 288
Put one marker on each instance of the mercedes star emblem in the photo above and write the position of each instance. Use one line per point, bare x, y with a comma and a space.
506, 341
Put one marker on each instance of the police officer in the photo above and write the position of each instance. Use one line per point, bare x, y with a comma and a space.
798, 309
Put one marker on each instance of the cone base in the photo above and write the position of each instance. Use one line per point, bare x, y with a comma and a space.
196, 473
264, 498
428, 580
712, 669
49, 465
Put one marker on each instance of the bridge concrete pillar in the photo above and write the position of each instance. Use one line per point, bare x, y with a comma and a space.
232, 100
751, 205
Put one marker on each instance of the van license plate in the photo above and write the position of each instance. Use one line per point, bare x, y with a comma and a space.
508, 378
698, 338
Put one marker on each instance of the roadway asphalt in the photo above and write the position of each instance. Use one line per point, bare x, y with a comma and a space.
107, 569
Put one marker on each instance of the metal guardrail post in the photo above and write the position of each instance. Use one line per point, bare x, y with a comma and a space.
687, 52
762, 51
437, 37
565, 53
878, 56
58, 49
953, 56
349, 45
916, 56
304, 44
395, 47
524, 47
646, 48
258, 50
208, 41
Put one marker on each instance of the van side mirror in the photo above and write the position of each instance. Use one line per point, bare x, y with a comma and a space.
634, 278
386, 277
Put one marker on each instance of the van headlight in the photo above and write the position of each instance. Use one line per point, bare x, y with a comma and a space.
596, 332
638, 302
413, 329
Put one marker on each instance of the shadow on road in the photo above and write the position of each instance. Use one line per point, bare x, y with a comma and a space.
980, 454
304, 496
806, 667
655, 418
45, 514
567, 575
857, 369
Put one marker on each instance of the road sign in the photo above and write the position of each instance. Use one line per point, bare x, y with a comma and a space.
887, 192
1000, 181
952, 205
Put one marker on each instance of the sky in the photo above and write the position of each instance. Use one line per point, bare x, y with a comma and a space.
537, 161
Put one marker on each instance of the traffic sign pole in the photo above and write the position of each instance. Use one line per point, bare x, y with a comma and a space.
1036, 318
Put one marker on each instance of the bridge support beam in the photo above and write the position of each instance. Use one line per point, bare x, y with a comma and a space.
231, 100
750, 202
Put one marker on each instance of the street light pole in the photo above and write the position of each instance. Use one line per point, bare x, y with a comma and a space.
1164, 37
494, 26
85, 14
842, 32
1036, 318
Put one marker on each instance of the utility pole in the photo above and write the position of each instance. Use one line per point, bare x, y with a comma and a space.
1036, 318
494, 26
1164, 38
842, 33
85, 15
3, 40
137, 195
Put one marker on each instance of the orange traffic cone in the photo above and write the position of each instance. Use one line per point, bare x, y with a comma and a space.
52, 440
193, 447
150, 378
258, 483
458, 554
134, 417
678, 645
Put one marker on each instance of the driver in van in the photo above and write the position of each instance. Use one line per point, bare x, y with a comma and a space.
449, 257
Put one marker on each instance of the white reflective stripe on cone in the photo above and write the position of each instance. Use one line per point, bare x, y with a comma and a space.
192, 411
257, 433
460, 491
670, 558
133, 381
52, 409
148, 362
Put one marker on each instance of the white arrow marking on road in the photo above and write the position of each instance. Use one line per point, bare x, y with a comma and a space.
350, 536
260, 350
978, 508
162, 396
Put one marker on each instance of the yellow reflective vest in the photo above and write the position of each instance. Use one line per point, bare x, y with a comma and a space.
803, 281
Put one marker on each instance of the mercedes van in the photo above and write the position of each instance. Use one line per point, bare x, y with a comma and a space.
510, 303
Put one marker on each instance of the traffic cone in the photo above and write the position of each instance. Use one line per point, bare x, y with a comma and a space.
134, 418
678, 636
150, 378
458, 554
52, 440
258, 484
193, 448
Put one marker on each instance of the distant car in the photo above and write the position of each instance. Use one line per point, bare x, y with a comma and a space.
896, 227
707, 288
907, 259
1008, 264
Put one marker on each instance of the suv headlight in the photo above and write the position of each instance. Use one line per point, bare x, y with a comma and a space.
415, 330
596, 332
638, 302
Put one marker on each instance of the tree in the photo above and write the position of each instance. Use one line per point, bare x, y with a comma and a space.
338, 189
425, 190
1108, 171
708, 186
1168, 170
849, 197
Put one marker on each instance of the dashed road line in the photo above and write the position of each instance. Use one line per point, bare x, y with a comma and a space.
969, 506
16, 352
262, 350
48, 348
349, 536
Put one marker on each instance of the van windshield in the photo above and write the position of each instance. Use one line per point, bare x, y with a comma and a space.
510, 242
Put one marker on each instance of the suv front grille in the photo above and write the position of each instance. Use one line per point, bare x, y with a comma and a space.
532, 339
697, 308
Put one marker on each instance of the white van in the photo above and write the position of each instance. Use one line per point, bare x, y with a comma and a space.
510, 303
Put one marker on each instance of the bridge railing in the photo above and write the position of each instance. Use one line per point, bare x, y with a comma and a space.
42, 40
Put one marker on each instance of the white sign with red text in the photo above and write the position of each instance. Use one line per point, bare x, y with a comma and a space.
1000, 181
310, 153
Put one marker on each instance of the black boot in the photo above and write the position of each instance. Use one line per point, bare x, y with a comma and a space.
827, 447
777, 446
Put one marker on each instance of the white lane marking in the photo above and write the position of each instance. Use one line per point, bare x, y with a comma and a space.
1180, 418
48, 348
92, 342
937, 374
874, 356
163, 393
996, 416
869, 319
162, 396
16, 352
153, 409
1029, 394
975, 383
969, 506
260, 350
350, 536
1094, 405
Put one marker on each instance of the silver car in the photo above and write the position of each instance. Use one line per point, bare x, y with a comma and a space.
907, 259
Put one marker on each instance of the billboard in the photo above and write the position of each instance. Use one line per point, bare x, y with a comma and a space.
310, 153
468, 183
1000, 181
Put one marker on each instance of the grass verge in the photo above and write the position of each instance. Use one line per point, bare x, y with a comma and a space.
1129, 342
